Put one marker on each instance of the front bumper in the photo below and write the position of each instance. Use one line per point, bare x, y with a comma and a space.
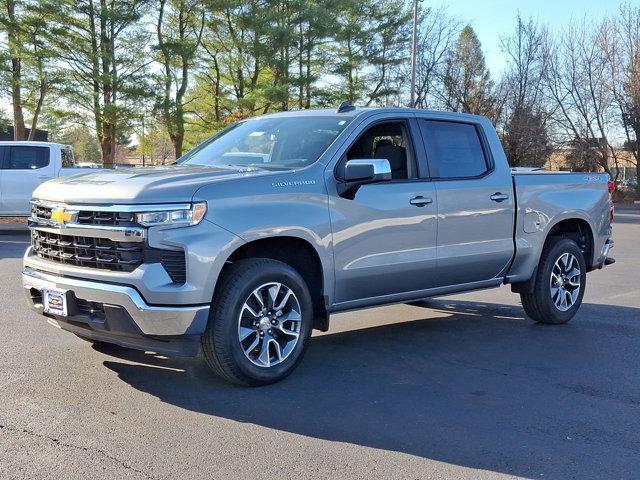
115, 313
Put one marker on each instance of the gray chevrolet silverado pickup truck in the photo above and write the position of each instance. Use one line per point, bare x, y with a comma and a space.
252, 239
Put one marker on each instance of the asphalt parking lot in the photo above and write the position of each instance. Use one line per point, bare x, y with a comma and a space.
461, 387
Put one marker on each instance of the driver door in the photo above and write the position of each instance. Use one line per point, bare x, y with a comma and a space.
384, 238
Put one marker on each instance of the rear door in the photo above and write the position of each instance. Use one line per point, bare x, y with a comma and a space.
25, 167
475, 203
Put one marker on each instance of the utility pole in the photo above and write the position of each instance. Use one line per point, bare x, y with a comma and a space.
414, 48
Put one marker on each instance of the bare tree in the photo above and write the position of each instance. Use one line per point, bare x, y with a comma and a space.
437, 33
577, 83
622, 47
524, 133
527, 63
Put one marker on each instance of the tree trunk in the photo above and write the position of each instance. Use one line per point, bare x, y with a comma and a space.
300, 66
34, 122
107, 153
308, 73
16, 97
177, 145
217, 90
16, 74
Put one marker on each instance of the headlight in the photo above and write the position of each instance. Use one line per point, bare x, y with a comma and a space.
178, 217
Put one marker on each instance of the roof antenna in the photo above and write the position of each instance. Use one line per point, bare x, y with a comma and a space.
345, 107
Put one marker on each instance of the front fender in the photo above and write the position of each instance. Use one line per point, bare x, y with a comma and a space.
292, 204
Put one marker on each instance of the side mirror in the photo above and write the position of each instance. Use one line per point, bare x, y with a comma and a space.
362, 171
367, 170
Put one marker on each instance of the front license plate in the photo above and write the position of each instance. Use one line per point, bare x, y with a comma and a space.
55, 302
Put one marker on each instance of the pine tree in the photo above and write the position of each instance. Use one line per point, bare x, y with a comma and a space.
467, 81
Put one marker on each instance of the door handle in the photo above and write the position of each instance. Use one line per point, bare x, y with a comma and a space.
499, 197
420, 201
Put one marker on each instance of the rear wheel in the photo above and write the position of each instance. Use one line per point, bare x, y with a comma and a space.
559, 283
260, 322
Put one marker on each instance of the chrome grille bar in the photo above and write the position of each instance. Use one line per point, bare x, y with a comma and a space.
118, 234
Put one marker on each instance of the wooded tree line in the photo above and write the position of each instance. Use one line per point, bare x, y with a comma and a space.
169, 73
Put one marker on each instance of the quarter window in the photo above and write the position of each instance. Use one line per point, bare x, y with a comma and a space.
27, 158
454, 149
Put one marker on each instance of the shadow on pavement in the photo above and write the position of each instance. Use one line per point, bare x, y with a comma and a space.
481, 387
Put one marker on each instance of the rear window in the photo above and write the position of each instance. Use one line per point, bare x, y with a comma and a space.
454, 149
27, 158
67, 157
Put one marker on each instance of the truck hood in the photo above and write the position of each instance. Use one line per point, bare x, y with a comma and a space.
167, 184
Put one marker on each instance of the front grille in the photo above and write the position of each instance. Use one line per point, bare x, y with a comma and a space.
107, 254
41, 212
114, 219
88, 252
84, 250
87, 217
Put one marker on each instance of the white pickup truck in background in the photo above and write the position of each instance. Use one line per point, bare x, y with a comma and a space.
24, 166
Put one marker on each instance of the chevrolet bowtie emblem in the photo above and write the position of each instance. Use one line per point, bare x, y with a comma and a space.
61, 217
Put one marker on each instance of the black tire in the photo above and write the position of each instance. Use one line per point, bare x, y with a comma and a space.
539, 304
221, 346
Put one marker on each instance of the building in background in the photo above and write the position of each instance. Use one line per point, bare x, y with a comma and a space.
8, 134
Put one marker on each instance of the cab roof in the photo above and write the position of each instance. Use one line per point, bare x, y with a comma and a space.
27, 143
360, 111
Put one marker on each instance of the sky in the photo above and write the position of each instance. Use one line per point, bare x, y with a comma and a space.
494, 18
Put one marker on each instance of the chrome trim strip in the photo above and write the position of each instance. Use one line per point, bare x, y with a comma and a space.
152, 320
117, 234
161, 207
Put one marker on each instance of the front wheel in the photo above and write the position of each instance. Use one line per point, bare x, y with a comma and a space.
559, 284
260, 322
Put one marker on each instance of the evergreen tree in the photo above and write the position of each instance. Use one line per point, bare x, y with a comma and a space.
179, 29
467, 85
103, 48
25, 58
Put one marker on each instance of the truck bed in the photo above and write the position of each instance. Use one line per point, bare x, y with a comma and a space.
543, 199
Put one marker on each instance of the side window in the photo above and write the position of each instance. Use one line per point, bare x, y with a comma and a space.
387, 141
27, 158
67, 157
3, 151
454, 149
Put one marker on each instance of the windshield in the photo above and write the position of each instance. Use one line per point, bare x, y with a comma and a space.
276, 143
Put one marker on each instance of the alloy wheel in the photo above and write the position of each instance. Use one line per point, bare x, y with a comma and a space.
269, 324
565, 282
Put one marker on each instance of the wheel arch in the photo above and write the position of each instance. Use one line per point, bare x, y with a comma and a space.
579, 230
573, 226
300, 254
